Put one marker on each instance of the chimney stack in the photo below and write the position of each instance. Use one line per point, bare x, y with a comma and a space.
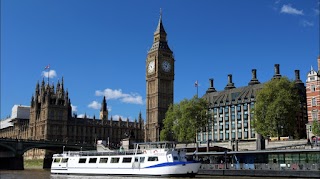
230, 85
276, 71
254, 79
211, 82
297, 75
254, 73
211, 88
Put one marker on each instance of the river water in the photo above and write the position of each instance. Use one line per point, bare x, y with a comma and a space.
45, 174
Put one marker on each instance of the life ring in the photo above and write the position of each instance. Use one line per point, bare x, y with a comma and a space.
155, 151
145, 152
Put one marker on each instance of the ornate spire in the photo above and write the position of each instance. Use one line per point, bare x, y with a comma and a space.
104, 104
160, 27
160, 37
42, 84
62, 88
58, 86
140, 116
37, 89
32, 101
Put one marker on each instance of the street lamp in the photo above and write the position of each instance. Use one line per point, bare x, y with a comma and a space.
280, 127
308, 129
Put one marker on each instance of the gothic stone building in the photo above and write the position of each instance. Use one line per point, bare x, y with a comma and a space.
230, 110
159, 83
51, 119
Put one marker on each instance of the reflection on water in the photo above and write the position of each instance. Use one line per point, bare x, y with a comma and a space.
45, 174
108, 177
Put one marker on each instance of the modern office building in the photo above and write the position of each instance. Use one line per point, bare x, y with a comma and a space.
231, 109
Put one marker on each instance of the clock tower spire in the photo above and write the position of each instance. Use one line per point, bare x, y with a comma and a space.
159, 82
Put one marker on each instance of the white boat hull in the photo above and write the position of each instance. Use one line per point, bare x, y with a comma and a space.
154, 159
181, 169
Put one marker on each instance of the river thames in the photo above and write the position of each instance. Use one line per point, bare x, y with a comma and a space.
44, 174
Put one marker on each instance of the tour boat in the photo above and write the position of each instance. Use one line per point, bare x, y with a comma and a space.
146, 159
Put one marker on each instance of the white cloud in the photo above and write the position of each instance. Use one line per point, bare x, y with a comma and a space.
94, 105
50, 73
74, 108
132, 98
306, 23
288, 9
316, 12
116, 118
82, 116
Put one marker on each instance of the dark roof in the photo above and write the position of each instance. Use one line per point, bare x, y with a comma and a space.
233, 96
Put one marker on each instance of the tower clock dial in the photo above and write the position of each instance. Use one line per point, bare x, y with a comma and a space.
151, 66
166, 66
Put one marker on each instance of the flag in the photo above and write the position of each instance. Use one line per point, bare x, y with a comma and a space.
196, 84
47, 67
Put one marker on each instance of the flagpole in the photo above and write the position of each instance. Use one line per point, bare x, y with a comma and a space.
48, 76
197, 90
196, 85
47, 68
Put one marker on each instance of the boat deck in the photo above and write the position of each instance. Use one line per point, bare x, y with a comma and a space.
95, 153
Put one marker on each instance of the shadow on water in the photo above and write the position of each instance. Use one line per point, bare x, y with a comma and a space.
45, 174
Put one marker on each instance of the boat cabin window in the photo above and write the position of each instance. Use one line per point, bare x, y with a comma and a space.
92, 160
175, 158
152, 158
57, 160
64, 160
142, 159
103, 160
126, 160
82, 160
115, 160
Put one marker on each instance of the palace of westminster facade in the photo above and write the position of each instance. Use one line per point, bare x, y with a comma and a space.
51, 114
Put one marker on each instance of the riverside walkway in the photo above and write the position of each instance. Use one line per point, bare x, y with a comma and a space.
292, 158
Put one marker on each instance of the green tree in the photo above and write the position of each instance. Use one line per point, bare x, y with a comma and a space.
316, 128
275, 109
184, 120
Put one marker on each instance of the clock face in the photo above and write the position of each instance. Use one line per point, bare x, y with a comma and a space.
166, 66
151, 67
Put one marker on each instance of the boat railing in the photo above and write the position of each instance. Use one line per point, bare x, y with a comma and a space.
95, 153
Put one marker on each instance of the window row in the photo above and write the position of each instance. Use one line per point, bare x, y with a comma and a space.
106, 159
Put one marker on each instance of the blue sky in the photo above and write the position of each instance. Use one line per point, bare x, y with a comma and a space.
100, 47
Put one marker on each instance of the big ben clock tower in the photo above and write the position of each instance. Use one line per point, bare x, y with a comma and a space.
160, 78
